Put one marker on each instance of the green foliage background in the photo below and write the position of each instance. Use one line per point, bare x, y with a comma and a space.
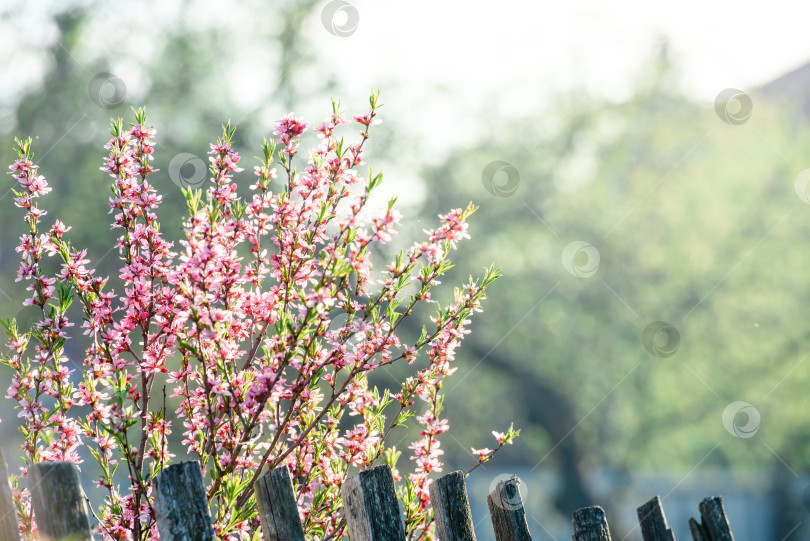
697, 223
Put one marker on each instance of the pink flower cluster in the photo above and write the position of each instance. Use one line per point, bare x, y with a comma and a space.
264, 323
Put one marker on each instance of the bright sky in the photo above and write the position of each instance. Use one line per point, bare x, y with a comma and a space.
449, 66
488, 44
511, 54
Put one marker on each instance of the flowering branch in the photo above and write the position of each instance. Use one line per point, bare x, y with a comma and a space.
265, 322
485, 454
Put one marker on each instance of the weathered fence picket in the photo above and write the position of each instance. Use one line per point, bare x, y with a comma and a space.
653, 522
8, 517
181, 505
714, 524
371, 507
278, 510
451, 508
697, 532
58, 502
507, 513
590, 524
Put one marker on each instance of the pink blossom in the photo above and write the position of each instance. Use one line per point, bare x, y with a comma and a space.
482, 454
267, 319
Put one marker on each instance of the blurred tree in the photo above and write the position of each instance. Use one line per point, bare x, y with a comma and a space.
75, 66
682, 218
696, 222
171, 64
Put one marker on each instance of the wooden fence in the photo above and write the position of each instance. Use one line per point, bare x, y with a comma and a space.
371, 509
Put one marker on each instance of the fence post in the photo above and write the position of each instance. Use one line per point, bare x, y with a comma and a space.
506, 510
590, 524
371, 507
714, 524
181, 505
8, 514
451, 508
697, 531
278, 510
653, 522
59, 507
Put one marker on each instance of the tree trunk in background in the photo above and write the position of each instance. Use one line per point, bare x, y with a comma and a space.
555, 412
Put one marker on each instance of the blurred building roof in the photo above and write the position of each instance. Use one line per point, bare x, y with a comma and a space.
791, 90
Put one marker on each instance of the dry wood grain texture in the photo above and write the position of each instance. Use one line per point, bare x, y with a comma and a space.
451, 508
698, 533
371, 507
278, 510
653, 522
507, 512
59, 506
714, 525
590, 524
181, 505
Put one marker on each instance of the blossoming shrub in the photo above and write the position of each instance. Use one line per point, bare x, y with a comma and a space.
264, 324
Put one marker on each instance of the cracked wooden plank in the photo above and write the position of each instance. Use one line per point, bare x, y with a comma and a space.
653, 522
371, 507
181, 504
451, 508
507, 512
59, 505
278, 510
590, 524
